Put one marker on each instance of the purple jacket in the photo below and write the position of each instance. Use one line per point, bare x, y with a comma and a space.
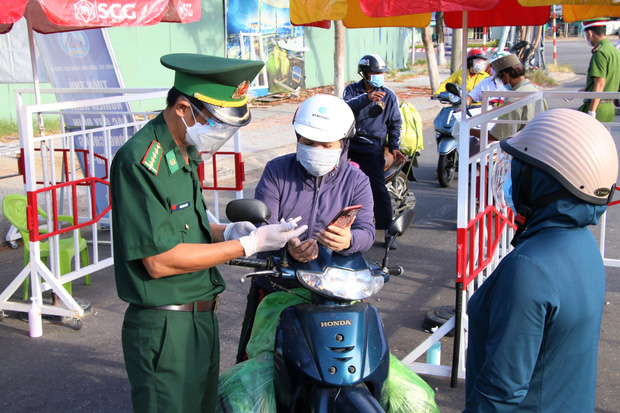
290, 191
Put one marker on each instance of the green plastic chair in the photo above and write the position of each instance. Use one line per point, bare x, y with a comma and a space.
14, 209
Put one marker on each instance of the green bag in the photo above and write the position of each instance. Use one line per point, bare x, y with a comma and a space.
247, 387
411, 140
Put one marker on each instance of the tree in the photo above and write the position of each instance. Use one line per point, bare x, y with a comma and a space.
456, 53
431, 61
339, 54
441, 48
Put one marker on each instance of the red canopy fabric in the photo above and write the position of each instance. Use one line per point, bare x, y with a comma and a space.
505, 13
51, 16
391, 8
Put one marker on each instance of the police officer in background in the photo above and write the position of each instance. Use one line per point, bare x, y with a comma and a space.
377, 117
603, 71
165, 249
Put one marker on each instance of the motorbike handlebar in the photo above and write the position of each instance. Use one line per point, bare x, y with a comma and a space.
397, 270
250, 262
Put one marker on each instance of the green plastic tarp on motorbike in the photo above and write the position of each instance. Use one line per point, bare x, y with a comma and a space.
248, 386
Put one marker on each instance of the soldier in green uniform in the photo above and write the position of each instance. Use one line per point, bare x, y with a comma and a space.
165, 250
603, 72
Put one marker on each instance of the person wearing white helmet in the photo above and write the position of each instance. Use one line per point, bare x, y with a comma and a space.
315, 183
489, 84
534, 324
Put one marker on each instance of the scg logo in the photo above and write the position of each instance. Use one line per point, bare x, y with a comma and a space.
87, 11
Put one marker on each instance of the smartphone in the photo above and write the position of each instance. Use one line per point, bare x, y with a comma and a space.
345, 216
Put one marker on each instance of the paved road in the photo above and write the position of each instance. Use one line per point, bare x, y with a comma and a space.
73, 371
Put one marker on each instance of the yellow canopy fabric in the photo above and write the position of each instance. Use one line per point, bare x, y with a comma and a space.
349, 11
356, 18
310, 11
575, 13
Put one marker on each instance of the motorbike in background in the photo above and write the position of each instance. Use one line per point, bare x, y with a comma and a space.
331, 352
447, 142
397, 184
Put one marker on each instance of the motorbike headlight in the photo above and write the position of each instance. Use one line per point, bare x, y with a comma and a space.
342, 283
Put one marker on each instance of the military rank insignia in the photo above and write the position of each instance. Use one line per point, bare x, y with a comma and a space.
241, 91
173, 165
152, 158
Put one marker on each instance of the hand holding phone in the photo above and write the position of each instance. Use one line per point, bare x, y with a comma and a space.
345, 216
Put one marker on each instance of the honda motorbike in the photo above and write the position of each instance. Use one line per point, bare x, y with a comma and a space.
331, 352
447, 143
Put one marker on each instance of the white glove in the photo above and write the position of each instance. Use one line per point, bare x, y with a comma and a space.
271, 237
237, 230
592, 113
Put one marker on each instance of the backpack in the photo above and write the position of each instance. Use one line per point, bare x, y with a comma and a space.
411, 140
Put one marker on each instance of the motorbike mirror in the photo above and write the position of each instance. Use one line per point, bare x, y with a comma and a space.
453, 88
401, 223
251, 210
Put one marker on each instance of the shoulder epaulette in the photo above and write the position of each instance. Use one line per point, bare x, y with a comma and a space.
152, 157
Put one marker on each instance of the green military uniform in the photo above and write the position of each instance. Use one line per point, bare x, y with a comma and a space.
605, 63
171, 354
524, 113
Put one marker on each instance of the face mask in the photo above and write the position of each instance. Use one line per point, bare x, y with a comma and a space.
589, 41
502, 181
376, 80
210, 137
507, 188
317, 161
479, 67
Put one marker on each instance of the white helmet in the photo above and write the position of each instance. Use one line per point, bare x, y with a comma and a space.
324, 118
574, 148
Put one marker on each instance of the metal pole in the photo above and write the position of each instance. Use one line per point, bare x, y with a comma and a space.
555, 61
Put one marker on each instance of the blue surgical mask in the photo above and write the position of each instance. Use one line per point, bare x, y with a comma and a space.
508, 86
376, 80
507, 188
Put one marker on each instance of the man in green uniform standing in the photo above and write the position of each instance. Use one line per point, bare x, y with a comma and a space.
603, 72
165, 250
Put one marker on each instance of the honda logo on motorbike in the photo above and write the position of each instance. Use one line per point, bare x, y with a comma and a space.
87, 11
336, 323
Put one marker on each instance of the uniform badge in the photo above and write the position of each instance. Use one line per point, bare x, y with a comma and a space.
241, 91
181, 206
596, 48
152, 157
172, 162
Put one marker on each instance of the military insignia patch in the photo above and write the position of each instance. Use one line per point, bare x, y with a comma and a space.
152, 157
596, 48
172, 162
182, 205
241, 91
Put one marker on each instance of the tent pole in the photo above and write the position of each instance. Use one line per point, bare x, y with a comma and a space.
464, 65
35, 73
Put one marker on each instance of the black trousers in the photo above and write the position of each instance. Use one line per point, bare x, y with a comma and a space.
372, 165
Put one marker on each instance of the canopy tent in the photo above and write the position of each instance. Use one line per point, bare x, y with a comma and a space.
52, 16
305, 12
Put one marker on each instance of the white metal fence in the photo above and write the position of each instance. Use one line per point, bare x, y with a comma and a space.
67, 191
484, 230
